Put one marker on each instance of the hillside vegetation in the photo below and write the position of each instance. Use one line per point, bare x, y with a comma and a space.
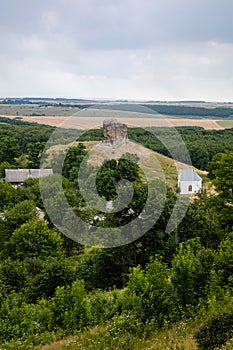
164, 290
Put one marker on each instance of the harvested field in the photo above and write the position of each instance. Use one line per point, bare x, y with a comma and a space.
87, 122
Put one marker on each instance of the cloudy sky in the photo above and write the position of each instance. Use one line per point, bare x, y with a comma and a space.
124, 49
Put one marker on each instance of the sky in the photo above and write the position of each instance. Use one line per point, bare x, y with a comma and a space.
119, 49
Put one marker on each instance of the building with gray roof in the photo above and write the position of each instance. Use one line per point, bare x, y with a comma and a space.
17, 176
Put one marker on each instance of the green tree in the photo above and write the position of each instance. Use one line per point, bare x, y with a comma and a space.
6, 195
20, 214
35, 151
74, 158
3, 166
13, 275
9, 150
44, 276
224, 262
32, 239
184, 269
224, 176
150, 294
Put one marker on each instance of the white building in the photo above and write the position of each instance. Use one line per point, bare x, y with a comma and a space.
189, 181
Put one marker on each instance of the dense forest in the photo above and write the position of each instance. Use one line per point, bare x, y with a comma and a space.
193, 112
52, 287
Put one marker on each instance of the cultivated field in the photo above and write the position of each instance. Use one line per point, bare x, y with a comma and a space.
226, 124
84, 122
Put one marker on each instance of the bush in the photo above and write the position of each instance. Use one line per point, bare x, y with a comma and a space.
104, 268
70, 308
150, 294
13, 275
216, 331
104, 305
46, 276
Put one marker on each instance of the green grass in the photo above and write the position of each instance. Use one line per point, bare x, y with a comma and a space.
178, 337
227, 124
29, 110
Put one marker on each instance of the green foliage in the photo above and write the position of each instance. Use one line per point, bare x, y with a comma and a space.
51, 273
20, 214
150, 294
9, 150
224, 176
104, 305
3, 166
13, 275
104, 268
213, 165
201, 144
69, 308
6, 195
25, 133
185, 272
23, 321
224, 263
44, 294
35, 151
195, 112
216, 331
74, 158
34, 239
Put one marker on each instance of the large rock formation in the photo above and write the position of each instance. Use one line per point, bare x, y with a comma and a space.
116, 133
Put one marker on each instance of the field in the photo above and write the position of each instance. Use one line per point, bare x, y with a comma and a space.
84, 122
226, 123
36, 110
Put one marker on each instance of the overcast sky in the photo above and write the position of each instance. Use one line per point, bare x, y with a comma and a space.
124, 49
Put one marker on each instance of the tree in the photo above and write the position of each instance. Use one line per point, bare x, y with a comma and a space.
9, 150
13, 275
74, 158
20, 214
224, 262
3, 166
223, 176
35, 151
32, 239
150, 293
49, 274
184, 266
222, 173
6, 195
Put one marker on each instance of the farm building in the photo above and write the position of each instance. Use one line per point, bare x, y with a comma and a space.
189, 181
17, 176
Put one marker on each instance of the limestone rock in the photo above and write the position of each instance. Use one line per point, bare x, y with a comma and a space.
116, 133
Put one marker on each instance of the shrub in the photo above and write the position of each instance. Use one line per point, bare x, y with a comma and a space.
46, 276
216, 331
70, 308
150, 294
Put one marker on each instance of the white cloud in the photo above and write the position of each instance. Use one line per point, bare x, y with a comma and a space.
125, 49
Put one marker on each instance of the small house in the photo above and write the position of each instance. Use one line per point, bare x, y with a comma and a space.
189, 182
17, 176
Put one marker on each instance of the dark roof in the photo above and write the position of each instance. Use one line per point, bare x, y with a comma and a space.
21, 175
188, 175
